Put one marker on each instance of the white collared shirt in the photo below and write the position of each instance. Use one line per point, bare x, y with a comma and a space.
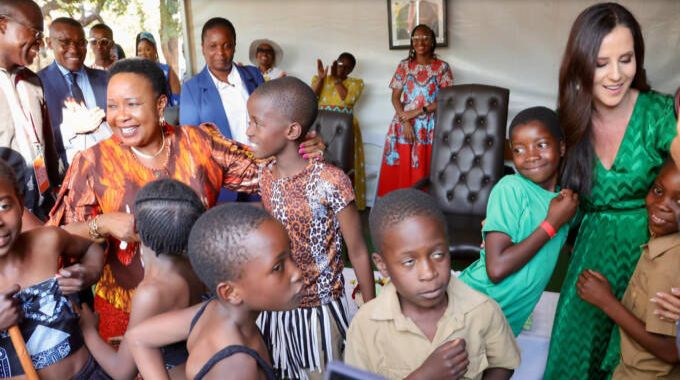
234, 96
74, 143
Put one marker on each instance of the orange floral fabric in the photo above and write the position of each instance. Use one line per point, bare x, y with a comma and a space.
106, 178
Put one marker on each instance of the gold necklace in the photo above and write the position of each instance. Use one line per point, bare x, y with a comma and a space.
150, 156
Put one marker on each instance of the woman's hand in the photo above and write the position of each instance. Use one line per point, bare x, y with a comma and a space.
594, 288
120, 225
321, 71
334, 71
408, 115
668, 305
313, 147
407, 132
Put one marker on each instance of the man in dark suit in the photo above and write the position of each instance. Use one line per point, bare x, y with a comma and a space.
67, 77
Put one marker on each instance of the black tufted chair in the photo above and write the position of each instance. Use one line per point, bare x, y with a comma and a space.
467, 159
337, 133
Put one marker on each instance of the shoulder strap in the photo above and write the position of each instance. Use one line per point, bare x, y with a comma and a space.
234, 349
198, 314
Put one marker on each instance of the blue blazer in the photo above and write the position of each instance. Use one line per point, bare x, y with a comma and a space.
200, 102
56, 91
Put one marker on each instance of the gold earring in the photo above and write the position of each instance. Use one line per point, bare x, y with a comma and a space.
161, 120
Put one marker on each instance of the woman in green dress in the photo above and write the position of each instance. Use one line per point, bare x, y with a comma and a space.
618, 133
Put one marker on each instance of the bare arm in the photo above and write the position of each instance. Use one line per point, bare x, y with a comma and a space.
504, 258
337, 82
146, 339
321, 75
396, 101
350, 226
120, 225
594, 288
120, 364
87, 271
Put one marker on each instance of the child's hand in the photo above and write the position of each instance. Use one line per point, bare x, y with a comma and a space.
562, 208
89, 320
73, 279
10, 308
448, 361
594, 288
668, 305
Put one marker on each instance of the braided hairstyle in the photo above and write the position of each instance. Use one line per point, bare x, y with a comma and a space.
165, 212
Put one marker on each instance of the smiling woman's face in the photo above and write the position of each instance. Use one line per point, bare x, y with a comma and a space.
133, 109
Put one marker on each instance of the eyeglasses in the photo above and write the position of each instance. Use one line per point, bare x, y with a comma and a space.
265, 50
37, 34
420, 38
65, 44
101, 42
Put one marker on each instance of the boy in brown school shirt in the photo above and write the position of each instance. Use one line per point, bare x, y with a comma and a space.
425, 324
648, 348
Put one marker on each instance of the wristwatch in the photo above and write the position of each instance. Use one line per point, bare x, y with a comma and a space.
424, 110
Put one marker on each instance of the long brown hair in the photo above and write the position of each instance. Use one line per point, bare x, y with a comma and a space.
575, 101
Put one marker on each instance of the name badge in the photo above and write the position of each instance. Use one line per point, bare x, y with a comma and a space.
41, 174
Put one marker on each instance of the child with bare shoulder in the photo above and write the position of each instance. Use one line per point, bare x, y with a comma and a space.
48, 322
165, 210
243, 255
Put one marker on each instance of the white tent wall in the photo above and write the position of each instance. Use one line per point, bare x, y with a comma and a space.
516, 44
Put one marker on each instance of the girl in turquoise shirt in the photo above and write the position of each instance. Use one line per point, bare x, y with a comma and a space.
526, 220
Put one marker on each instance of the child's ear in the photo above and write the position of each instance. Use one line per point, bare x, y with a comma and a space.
228, 292
563, 148
380, 264
294, 131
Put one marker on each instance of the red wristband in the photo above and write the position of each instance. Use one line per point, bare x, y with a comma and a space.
548, 228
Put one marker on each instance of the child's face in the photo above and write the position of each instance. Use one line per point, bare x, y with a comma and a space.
536, 153
268, 132
415, 256
11, 210
662, 201
269, 280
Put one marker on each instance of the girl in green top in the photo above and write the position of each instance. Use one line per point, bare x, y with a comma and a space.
526, 220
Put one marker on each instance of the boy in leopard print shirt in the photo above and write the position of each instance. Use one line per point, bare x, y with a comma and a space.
315, 203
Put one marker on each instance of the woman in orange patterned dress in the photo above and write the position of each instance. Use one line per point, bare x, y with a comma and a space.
98, 193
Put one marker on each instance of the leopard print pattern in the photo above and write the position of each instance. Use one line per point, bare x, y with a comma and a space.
307, 204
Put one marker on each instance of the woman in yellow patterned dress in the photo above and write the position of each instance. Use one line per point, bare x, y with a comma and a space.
338, 92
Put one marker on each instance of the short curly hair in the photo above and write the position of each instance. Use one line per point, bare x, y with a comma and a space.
216, 247
397, 206
144, 67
